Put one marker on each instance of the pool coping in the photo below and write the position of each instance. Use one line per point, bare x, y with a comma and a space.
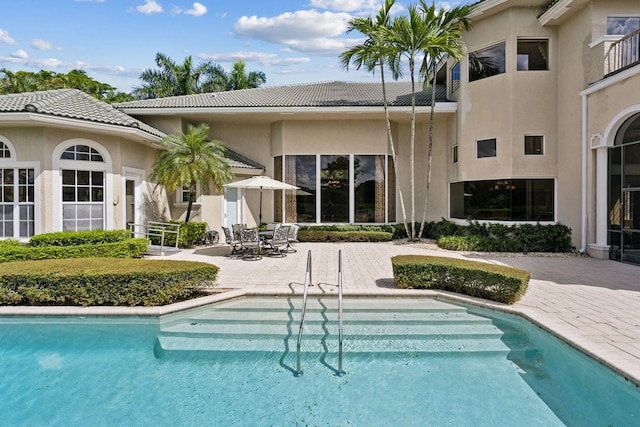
275, 292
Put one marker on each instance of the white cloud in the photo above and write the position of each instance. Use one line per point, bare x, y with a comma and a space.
43, 45
262, 58
4, 37
21, 54
149, 7
347, 5
299, 30
198, 9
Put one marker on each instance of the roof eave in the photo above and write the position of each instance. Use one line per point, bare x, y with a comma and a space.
441, 107
21, 118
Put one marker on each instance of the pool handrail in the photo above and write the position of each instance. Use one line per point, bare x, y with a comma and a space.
307, 281
340, 371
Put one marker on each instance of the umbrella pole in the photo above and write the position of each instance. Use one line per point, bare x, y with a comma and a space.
260, 214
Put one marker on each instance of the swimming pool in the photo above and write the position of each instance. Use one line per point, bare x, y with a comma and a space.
407, 362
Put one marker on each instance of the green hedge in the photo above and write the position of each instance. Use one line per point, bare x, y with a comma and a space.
129, 248
103, 281
477, 279
496, 237
190, 234
343, 236
75, 238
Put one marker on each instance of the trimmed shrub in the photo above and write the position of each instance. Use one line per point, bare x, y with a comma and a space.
129, 248
344, 236
477, 279
75, 238
103, 281
190, 234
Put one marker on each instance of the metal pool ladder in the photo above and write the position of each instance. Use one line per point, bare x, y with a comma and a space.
340, 372
307, 282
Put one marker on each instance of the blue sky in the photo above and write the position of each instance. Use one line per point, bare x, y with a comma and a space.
115, 40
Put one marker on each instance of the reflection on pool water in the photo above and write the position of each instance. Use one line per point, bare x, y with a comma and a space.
407, 362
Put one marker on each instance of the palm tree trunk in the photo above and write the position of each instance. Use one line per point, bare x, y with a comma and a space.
430, 150
393, 148
412, 150
192, 194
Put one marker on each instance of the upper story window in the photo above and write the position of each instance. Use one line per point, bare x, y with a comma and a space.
455, 77
533, 145
486, 148
454, 154
533, 54
4, 151
82, 152
487, 62
622, 25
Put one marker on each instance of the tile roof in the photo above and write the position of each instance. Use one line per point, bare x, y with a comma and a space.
239, 161
325, 94
72, 104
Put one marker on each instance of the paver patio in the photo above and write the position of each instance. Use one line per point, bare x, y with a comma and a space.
591, 304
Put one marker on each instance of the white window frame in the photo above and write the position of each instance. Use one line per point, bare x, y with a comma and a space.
58, 165
12, 162
543, 148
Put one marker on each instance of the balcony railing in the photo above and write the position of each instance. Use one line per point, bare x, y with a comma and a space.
623, 53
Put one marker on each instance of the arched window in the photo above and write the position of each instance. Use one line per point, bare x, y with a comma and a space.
4, 151
83, 173
624, 192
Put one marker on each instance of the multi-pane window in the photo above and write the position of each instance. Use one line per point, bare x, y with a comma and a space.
486, 148
533, 54
83, 153
533, 145
17, 202
336, 188
4, 151
487, 62
503, 199
622, 25
82, 200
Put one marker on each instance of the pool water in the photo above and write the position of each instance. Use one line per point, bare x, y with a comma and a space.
407, 362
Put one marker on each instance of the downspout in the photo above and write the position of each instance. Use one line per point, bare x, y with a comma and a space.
583, 231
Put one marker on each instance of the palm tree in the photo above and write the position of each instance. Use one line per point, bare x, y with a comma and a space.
191, 159
374, 52
172, 79
410, 36
238, 78
448, 26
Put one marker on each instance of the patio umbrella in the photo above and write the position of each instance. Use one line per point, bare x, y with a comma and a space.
261, 182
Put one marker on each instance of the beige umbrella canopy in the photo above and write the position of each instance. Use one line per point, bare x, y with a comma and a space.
261, 182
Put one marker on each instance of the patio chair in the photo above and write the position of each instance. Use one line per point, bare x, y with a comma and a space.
279, 241
293, 238
236, 247
251, 244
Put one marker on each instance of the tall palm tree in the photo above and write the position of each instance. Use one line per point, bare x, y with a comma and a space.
410, 36
448, 26
172, 79
190, 158
238, 78
375, 53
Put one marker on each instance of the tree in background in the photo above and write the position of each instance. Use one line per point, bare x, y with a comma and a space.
172, 79
238, 78
191, 159
26, 81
